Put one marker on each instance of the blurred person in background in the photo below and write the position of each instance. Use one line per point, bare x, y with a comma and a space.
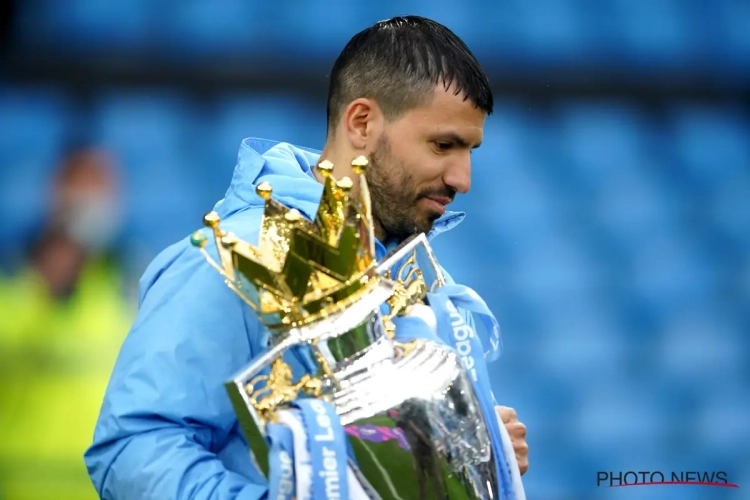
408, 94
64, 317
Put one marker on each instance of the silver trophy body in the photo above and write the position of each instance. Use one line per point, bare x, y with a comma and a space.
409, 409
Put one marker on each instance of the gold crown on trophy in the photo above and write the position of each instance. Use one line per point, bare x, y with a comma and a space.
301, 270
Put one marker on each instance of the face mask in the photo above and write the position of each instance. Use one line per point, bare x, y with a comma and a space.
92, 221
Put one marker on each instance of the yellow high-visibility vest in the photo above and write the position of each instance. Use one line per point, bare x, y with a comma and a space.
55, 362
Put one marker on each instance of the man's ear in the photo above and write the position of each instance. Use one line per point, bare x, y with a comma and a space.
362, 121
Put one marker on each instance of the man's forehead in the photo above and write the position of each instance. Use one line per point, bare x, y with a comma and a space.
452, 116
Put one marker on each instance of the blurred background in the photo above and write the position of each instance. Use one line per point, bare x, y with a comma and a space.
608, 225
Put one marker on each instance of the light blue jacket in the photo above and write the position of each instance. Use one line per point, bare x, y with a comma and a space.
167, 429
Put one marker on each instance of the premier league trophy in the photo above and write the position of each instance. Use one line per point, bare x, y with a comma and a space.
414, 423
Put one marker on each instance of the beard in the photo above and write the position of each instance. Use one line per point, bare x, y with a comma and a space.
394, 195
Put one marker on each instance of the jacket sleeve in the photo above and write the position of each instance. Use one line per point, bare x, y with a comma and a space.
165, 414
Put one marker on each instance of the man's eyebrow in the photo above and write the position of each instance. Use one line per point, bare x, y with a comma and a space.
458, 140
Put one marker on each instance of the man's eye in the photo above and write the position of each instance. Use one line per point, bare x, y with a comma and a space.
443, 146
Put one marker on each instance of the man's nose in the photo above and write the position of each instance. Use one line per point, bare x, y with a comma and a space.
458, 176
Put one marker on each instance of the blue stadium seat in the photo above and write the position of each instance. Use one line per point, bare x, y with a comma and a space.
618, 416
142, 126
698, 348
223, 27
603, 138
631, 209
655, 34
513, 201
551, 32
36, 123
710, 142
614, 150
552, 270
743, 282
728, 209
721, 421
152, 135
672, 270
85, 25
711, 147
728, 38
601, 42
580, 338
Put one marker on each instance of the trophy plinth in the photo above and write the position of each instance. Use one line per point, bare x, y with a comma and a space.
409, 409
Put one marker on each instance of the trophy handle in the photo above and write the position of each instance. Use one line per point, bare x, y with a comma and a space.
425, 259
418, 273
252, 419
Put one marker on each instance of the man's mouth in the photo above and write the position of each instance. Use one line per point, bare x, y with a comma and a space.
438, 203
443, 200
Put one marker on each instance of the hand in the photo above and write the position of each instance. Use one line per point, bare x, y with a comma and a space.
517, 432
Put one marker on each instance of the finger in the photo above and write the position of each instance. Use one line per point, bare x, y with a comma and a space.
521, 448
523, 465
516, 430
522, 457
506, 414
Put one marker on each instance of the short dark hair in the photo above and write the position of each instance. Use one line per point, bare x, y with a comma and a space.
398, 63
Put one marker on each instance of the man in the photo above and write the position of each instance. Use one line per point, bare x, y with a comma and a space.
64, 318
408, 94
